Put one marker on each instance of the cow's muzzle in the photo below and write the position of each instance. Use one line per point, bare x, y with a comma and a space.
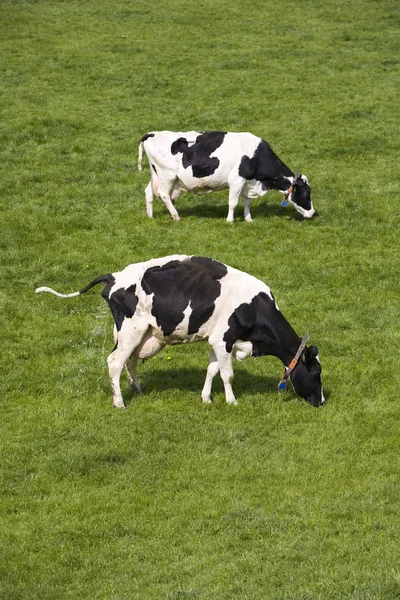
317, 401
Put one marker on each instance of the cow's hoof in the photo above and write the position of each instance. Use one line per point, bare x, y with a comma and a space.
232, 402
206, 400
120, 406
248, 219
135, 387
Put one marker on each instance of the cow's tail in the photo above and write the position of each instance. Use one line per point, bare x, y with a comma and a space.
140, 156
108, 278
140, 150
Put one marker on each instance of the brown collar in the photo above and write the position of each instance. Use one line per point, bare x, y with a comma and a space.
290, 189
288, 370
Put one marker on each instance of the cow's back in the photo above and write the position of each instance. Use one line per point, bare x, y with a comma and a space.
158, 146
183, 295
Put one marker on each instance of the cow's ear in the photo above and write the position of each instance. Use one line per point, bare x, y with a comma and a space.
304, 178
309, 354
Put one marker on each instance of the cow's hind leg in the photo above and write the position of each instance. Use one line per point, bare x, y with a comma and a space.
176, 192
212, 370
166, 198
151, 191
168, 189
128, 338
149, 200
131, 365
148, 347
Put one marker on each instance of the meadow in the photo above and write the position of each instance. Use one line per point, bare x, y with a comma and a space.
172, 499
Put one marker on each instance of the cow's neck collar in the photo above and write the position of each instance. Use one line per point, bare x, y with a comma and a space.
290, 189
288, 370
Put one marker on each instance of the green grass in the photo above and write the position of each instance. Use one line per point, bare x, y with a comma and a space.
171, 499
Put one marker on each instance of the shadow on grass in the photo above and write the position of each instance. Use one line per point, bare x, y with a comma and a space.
211, 210
192, 380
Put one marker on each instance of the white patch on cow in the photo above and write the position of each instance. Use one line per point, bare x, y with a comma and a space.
242, 350
180, 335
307, 214
254, 189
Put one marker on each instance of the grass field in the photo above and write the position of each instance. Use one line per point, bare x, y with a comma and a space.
172, 499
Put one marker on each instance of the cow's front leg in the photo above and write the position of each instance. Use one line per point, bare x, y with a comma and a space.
246, 204
225, 366
212, 370
234, 193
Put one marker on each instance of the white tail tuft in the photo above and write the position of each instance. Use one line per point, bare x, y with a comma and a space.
47, 289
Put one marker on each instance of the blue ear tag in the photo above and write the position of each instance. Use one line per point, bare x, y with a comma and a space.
282, 386
284, 203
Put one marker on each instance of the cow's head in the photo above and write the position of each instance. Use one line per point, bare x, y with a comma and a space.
300, 196
306, 377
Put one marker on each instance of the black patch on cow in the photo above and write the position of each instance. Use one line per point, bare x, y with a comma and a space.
249, 322
198, 155
122, 303
154, 168
107, 289
146, 137
180, 145
262, 324
266, 167
178, 283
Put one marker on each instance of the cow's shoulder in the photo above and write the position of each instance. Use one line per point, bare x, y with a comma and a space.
251, 318
263, 165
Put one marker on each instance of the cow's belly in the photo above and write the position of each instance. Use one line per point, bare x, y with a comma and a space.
180, 333
179, 336
205, 185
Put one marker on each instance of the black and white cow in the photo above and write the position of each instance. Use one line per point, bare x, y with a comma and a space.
201, 162
179, 299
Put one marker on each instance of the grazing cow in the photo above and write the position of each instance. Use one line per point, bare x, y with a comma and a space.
208, 161
179, 299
